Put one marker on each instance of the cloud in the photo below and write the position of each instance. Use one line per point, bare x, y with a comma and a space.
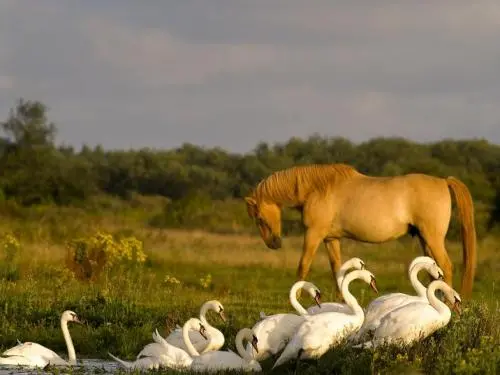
155, 57
6, 82
233, 72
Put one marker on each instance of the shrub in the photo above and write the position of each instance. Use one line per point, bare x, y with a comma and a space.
89, 257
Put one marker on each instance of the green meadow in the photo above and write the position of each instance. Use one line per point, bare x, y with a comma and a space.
124, 302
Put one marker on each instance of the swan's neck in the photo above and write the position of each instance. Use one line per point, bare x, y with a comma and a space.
69, 342
243, 334
342, 271
440, 306
203, 312
293, 298
415, 282
187, 341
349, 299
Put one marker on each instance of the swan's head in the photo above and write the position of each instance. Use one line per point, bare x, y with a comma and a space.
457, 302
421, 259
369, 278
217, 307
70, 316
196, 324
356, 263
434, 270
314, 293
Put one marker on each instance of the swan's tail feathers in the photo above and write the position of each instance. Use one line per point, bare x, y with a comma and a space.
121, 361
288, 354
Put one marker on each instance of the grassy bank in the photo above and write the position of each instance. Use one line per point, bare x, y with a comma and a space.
125, 305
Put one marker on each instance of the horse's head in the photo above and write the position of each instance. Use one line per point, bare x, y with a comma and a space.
267, 217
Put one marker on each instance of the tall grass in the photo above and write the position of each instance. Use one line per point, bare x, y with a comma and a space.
183, 269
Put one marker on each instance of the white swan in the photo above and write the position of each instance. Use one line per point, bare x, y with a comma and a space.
215, 337
36, 355
355, 263
228, 360
320, 332
416, 320
274, 331
382, 305
168, 355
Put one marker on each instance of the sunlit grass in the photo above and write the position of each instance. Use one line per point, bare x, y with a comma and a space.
122, 311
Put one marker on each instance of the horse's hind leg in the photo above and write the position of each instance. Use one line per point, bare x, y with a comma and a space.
436, 248
333, 249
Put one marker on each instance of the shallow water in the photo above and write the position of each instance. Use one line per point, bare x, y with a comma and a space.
84, 366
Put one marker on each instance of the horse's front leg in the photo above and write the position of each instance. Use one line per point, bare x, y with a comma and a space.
333, 250
312, 239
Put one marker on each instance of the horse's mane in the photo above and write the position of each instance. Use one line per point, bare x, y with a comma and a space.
294, 184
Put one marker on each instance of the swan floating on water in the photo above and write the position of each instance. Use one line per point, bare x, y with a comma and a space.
35, 355
215, 339
168, 355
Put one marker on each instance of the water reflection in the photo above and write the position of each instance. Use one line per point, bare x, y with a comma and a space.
84, 366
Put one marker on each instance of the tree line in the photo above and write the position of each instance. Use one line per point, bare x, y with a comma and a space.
34, 170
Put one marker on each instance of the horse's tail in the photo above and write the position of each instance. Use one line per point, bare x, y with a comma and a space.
465, 208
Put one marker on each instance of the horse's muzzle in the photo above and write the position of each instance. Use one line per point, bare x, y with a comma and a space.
274, 243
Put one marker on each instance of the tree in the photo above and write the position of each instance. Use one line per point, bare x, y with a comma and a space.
27, 125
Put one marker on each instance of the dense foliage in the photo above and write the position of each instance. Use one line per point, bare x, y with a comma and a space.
33, 170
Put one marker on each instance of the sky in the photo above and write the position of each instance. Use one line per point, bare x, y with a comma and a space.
232, 73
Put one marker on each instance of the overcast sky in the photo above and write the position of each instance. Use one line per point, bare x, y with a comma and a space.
232, 73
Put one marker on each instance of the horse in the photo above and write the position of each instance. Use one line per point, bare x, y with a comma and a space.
337, 201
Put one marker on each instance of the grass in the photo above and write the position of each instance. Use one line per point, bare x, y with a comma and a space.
122, 311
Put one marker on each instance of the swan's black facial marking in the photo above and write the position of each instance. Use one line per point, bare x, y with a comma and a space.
373, 284
74, 318
317, 298
221, 313
457, 305
362, 264
254, 343
203, 331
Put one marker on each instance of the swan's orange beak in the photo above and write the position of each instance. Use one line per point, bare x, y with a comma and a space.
254, 343
77, 320
317, 298
373, 285
457, 307
222, 316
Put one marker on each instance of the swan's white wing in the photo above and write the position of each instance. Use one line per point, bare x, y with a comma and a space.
32, 361
145, 363
377, 309
33, 349
151, 350
317, 334
273, 333
408, 323
218, 360
329, 307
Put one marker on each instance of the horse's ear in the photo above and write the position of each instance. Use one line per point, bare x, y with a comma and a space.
251, 206
251, 201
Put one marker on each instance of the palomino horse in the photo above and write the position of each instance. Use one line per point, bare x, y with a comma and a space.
338, 201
